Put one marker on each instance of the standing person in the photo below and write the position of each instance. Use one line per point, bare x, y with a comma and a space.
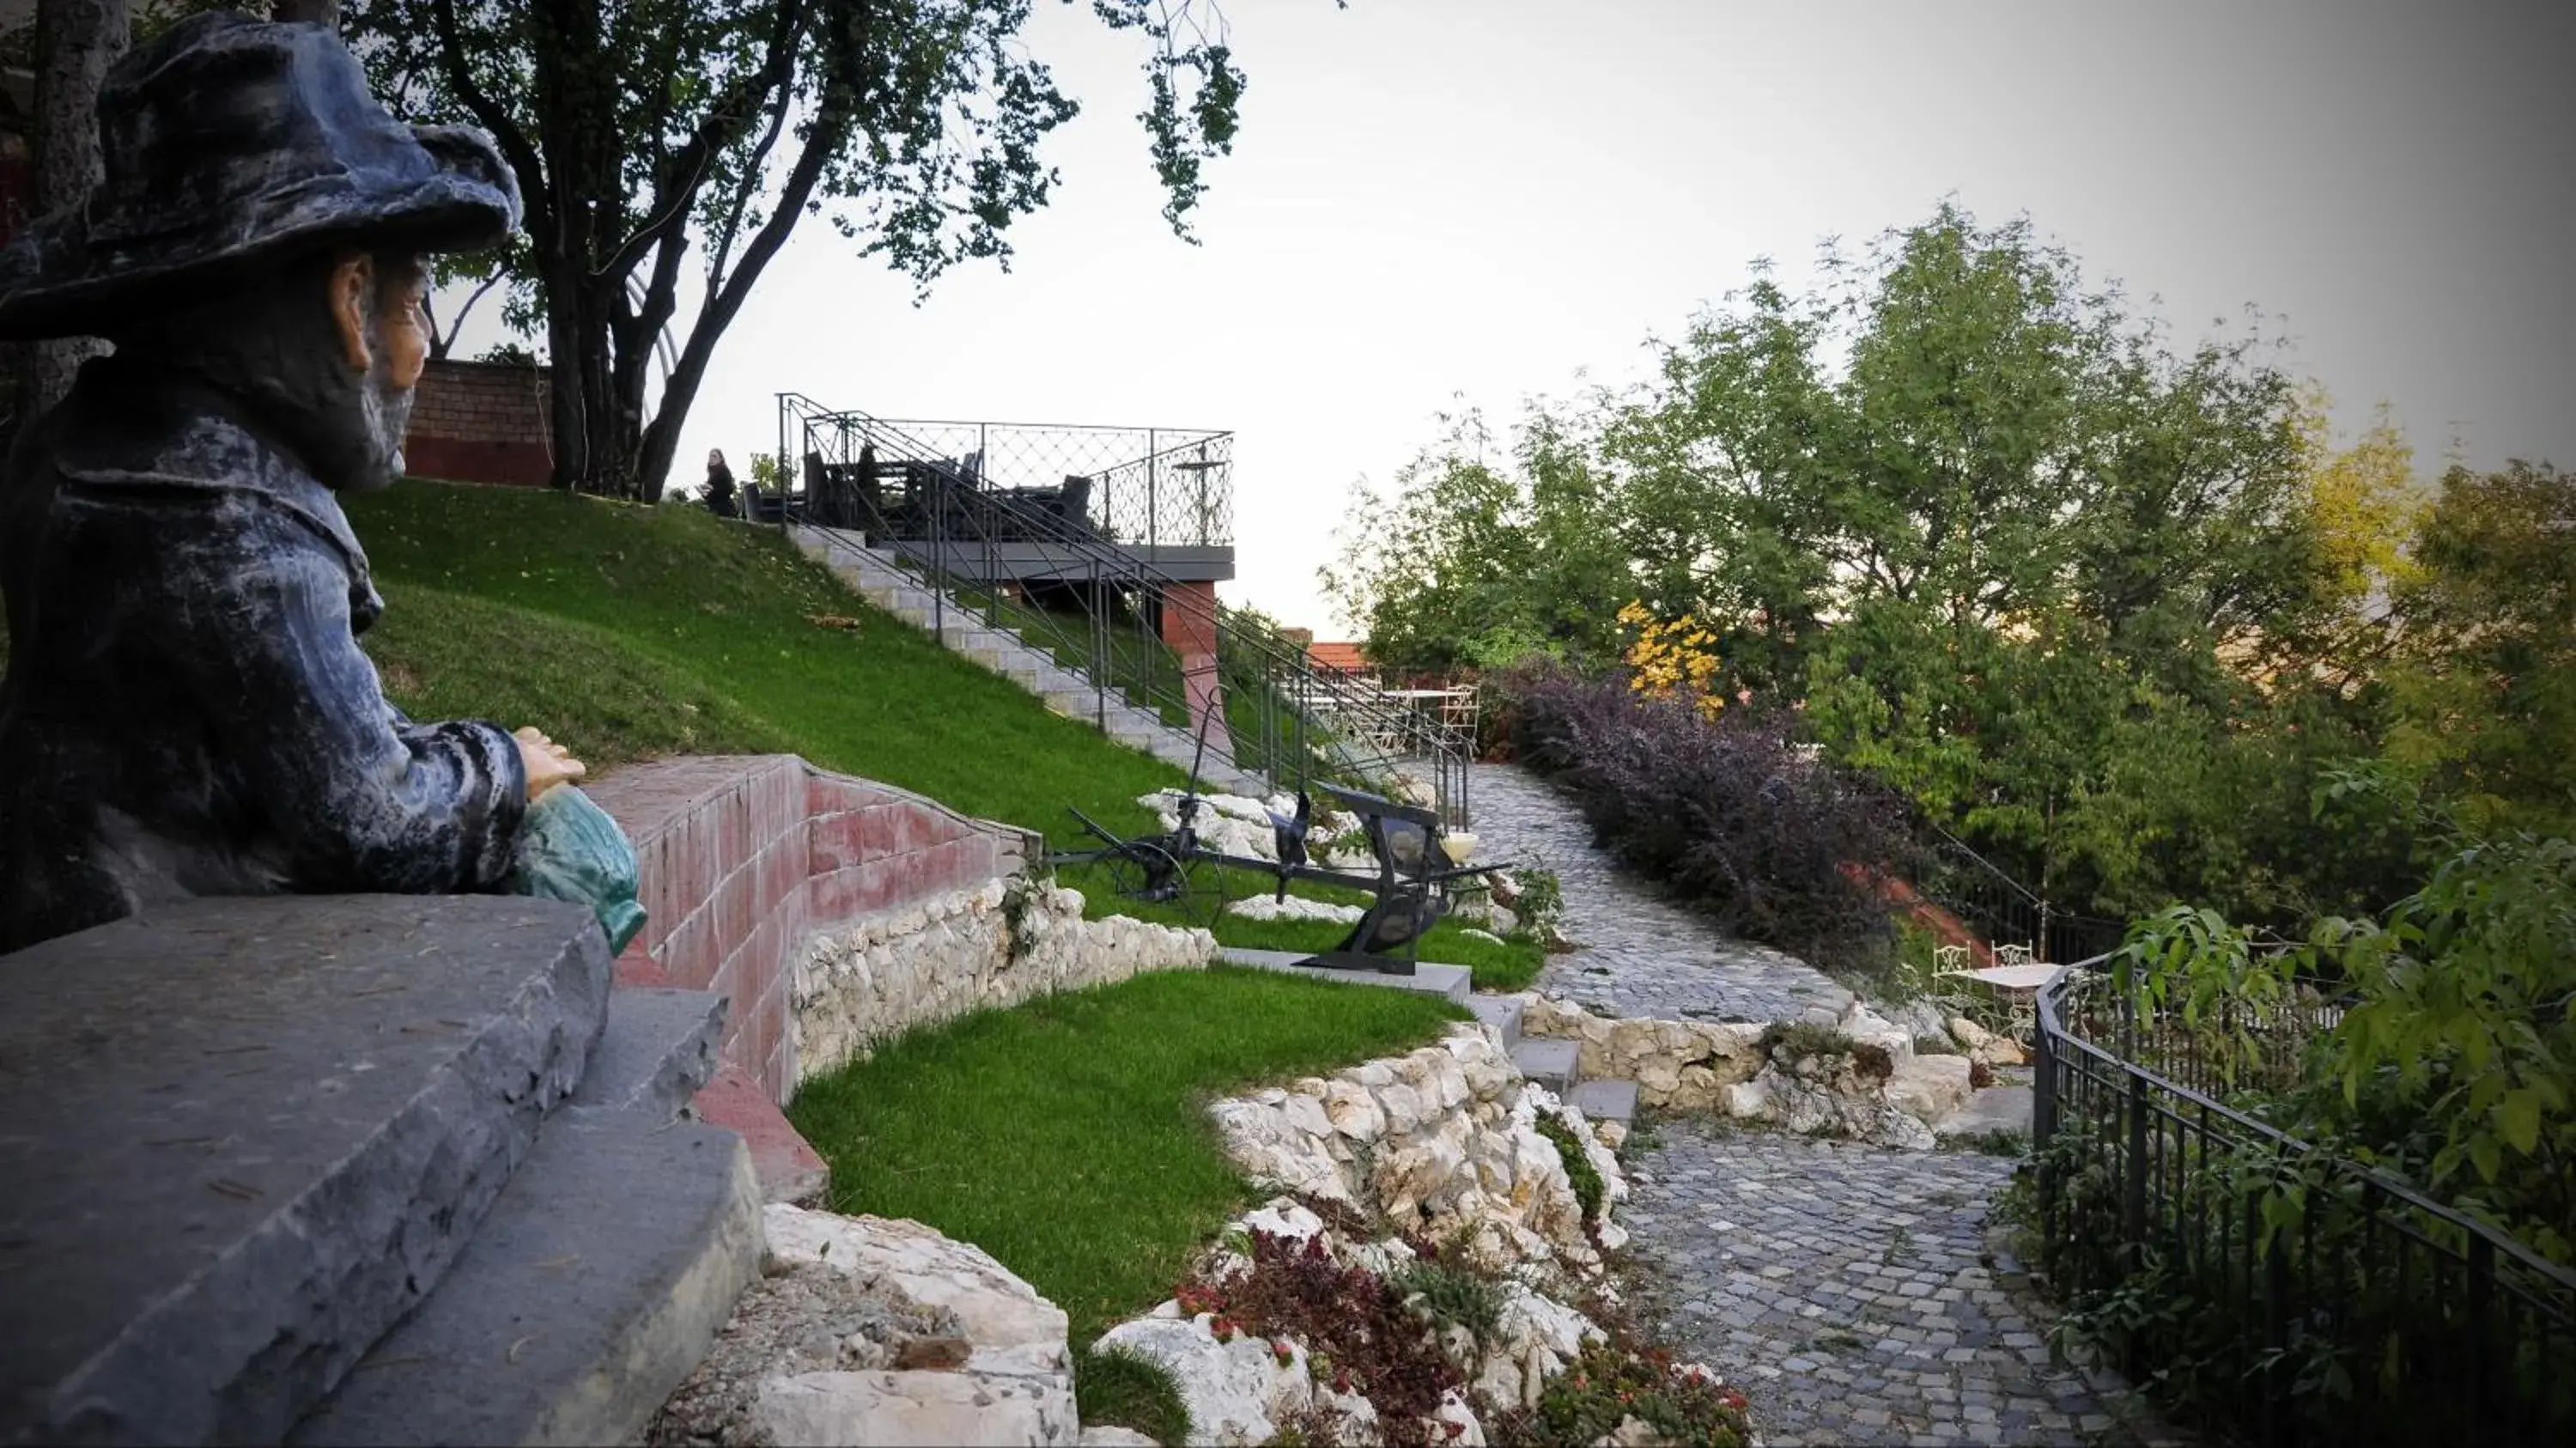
719, 484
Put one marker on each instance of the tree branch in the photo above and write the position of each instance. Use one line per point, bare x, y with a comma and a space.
715, 131
439, 345
488, 114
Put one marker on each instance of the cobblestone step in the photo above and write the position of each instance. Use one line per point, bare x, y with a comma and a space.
1605, 1100
1449, 981
1550, 1063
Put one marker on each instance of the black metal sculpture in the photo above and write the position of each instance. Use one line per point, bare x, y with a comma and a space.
186, 709
1409, 891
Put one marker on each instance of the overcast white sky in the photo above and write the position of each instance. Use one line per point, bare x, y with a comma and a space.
1484, 197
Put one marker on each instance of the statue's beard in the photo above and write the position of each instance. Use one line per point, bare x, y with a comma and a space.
361, 434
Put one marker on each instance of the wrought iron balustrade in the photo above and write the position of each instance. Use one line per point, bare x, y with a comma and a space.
1149, 487
2307, 1296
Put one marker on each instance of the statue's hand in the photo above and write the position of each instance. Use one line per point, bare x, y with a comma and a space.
548, 763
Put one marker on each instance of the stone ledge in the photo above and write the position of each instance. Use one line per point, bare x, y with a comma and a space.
250, 1134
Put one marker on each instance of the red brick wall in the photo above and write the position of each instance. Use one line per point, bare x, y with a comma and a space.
742, 856
481, 422
1189, 628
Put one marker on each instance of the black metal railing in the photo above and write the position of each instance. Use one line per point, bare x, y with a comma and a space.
2302, 1296
1998, 908
1040, 563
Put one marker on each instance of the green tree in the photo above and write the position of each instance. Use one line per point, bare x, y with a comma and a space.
2002, 539
1479, 559
2482, 682
656, 137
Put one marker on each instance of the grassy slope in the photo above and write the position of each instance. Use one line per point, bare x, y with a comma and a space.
630, 632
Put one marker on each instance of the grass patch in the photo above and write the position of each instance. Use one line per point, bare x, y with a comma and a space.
683, 600
1117, 1387
1067, 1136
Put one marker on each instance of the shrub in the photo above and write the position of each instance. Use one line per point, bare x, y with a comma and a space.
1454, 1296
1732, 814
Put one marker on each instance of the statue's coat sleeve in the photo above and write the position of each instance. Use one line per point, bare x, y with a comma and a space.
360, 798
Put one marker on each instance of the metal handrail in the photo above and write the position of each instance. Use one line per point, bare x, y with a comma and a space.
2364, 1275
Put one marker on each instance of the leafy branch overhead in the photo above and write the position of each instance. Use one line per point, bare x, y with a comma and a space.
668, 148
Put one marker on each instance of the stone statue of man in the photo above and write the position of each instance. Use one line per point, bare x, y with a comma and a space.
186, 710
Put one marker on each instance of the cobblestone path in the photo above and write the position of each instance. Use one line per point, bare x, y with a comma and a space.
1840, 1286
1643, 955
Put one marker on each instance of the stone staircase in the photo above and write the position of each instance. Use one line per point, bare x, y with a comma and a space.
874, 575
1551, 1063
363, 1169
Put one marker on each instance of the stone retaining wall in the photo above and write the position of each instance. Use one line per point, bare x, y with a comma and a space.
997, 945
1869, 1083
1440, 1139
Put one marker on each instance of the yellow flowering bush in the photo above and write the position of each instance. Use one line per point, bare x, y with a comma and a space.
1671, 660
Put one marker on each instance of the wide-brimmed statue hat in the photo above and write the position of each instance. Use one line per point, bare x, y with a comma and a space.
231, 145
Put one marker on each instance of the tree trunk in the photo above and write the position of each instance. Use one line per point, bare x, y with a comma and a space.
76, 42
318, 12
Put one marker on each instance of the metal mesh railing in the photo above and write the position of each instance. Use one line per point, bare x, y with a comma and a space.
1154, 487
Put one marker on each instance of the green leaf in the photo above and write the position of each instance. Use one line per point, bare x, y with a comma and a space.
2486, 1157
2518, 1117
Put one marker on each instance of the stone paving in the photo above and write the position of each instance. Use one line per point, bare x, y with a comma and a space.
1644, 956
1841, 1287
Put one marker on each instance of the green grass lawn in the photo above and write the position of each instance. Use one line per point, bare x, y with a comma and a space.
1068, 1136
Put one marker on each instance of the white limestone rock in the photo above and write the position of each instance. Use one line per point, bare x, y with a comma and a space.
1929, 1088
1295, 907
1236, 1392
1016, 1382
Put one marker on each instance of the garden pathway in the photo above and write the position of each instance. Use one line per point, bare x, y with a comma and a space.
1842, 1287
1644, 955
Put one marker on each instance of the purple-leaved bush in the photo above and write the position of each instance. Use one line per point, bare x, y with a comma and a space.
1729, 814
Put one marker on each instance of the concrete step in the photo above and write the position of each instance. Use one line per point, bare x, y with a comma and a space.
596, 1284
1551, 1063
210, 1214
659, 1048
1996, 1108
1500, 1012
1451, 982
1605, 1100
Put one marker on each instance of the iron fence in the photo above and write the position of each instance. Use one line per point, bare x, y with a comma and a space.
1075, 589
2302, 1295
